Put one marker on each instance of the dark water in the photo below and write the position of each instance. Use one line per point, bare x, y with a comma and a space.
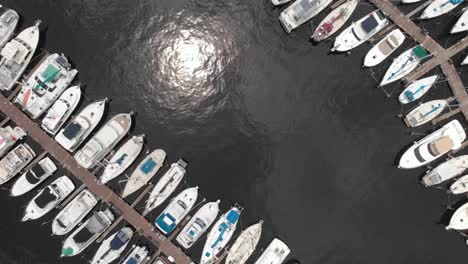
300, 138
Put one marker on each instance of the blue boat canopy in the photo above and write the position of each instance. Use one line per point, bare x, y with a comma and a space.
148, 166
233, 216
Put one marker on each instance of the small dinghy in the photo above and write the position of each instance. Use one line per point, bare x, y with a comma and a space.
459, 220
462, 23
404, 64
334, 21
138, 255
113, 246
425, 113
144, 172
300, 12
384, 48
417, 89
439, 7
280, 2
449, 169
245, 244
38, 173
8, 137
8, 22
15, 161
460, 186
275, 253
61, 110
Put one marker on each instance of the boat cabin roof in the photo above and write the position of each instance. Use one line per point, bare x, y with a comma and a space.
440, 146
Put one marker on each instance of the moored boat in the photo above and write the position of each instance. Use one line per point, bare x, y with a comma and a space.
404, 64
465, 61
300, 12
8, 137
276, 252
459, 220
138, 255
112, 247
8, 22
459, 186
439, 7
38, 173
384, 48
15, 161
445, 171
462, 23
417, 89
245, 244
425, 113
410, 1
280, 2
334, 20
61, 110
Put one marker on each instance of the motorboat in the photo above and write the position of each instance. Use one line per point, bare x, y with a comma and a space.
465, 61
104, 141
459, 220
80, 127
38, 173
73, 213
417, 89
176, 211
447, 170
459, 186
87, 233
425, 113
15, 161
198, 224
334, 20
138, 255
112, 247
300, 12
360, 31
8, 137
280, 2
48, 198
433, 146
439, 7
462, 24
122, 159
61, 110
245, 244
404, 64
45, 85
384, 48
8, 22
276, 252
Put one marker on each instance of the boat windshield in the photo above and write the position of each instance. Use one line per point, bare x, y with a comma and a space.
46, 197
35, 174
72, 130
119, 240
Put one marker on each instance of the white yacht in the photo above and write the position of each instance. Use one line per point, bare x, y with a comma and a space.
280, 2
166, 185
8, 137
61, 110
73, 213
198, 224
45, 85
38, 173
79, 128
384, 48
425, 112
449, 169
276, 252
177, 210
417, 89
87, 233
112, 247
8, 22
122, 159
334, 20
360, 31
459, 186
439, 7
459, 220
138, 255
300, 12
245, 244
104, 141
16, 56
404, 64
462, 24
433, 146
15, 161
48, 198
220, 234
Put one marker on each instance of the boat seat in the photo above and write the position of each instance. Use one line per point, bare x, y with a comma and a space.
45, 198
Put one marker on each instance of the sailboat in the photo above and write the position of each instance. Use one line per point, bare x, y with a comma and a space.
439, 7
417, 89
459, 220
462, 24
459, 186
334, 21
404, 64
245, 244
425, 113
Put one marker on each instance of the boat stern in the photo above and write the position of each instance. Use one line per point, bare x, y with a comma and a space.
286, 22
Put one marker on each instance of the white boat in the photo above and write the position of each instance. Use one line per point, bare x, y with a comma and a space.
410, 1
245, 244
275, 253
73, 213
166, 185
112, 247
433, 146
8, 137
104, 141
48, 198
280, 2
462, 24
447, 170
460, 186
220, 234
45, 85
300, 12
87, 233
38, 173
61, 110
15, 161
198, 224
16, 56
404, 64
8, 22
417, 89
147, 168
439, 7
122, 159
459, 220
79, 128
425, 113
334, 20
384, 48
138, 255
360, 31
465, 61
176, 211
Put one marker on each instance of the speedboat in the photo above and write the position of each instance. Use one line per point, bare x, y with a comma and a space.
113, 246
462, 23
176, 211
425, 113
334, 21
8, 22
15, 161
449, 169
245, 244
79, 128
104, 141
280, 2
198, 224
433, 146
45, 85
72, 214
300, 12
220, 234
87, 233
404, 64
138, 255
384, 48
61, 110
460, 186
275, 253
439, 7
459, 220
360, 31
122, 159
8, 137
166, 185
417, 89
16, 56
48, 198
38, 173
